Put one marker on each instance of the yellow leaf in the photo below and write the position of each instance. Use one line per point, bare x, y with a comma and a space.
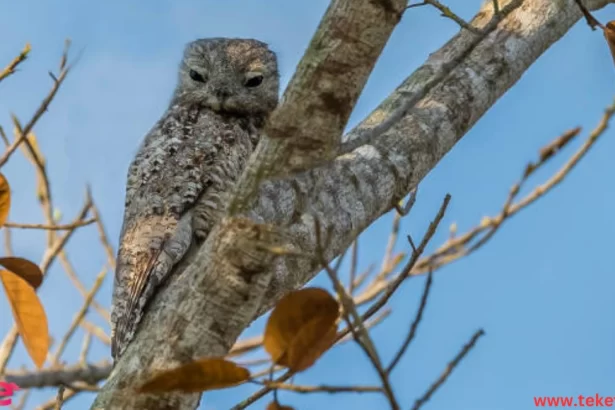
314, 339
5, 199
275, 406
294, 311
29, 316
609, 34
197, 376
28, 271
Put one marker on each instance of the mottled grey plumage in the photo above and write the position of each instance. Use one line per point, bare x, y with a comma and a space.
187, 164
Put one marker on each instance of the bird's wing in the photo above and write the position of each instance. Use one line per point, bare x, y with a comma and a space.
165, 180
149, 249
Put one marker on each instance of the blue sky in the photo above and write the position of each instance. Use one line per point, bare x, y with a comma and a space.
541, 289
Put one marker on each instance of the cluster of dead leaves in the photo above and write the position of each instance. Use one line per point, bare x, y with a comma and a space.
300, 329
20, 279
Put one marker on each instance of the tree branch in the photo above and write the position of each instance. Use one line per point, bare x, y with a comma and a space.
90, 373
205, 306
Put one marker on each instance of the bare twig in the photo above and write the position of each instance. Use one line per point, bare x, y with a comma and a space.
38, 114
51, 403
73, 225
6, 348
414, 326
591, 20
72, 275
356, 324
448, 13
463, 245
95, 331
392, 286
322, 388
369, 323
68, 375
4, 137
11, 338
23, 399
405, 210
354, 258
449, 369
496, 7
368, 135
60, 398
374, 308
102, 232
78, 317
10, 69
262, 392
85, 348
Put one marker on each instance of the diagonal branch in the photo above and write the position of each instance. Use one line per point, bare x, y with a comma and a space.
205, 306
322, 93
89, 373
10, 68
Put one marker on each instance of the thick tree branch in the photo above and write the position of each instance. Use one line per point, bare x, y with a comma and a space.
322, 92
89, 373
206, 305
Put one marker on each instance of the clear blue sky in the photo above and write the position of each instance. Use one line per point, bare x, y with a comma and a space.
542, 289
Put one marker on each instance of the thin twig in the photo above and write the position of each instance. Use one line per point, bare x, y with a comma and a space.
374, 308
73, 225
496, 7
60, 398
322, 388
96, 331
23, 399
462, 245
102, 232
405, 210
37, 115
262, 392
78, 317
392, 287
368, 135
72, 275
51, 403
58, 245
449, 369
10, 68
356, 324
4, 137
591, 20
354, 260
448, 13
414, 326
85, 348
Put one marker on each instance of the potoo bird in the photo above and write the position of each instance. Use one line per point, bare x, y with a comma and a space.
180, 179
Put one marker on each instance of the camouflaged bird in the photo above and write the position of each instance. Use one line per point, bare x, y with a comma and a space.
179, 181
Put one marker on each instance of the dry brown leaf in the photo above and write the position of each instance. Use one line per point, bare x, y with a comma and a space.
5, 199
28, 271
29, 316
609, 34
312, 341
197, 376
294, 311
275, 406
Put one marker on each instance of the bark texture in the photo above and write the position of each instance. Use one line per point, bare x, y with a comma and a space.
233, 279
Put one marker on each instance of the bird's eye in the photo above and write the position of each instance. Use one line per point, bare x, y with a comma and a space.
196, 76
254, 80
